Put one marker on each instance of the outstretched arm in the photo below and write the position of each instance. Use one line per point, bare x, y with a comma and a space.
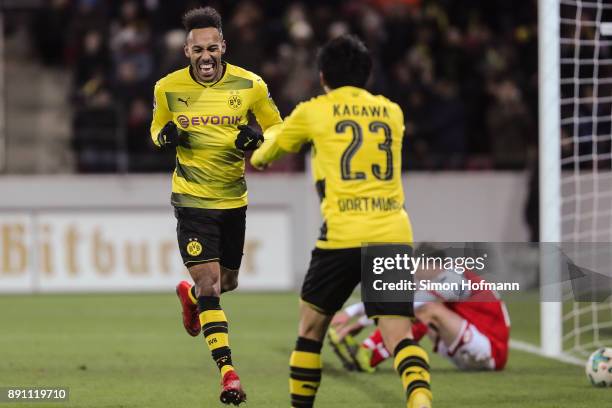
285, 138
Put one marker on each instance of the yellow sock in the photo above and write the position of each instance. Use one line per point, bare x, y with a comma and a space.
412, 364
215, 330
305, 372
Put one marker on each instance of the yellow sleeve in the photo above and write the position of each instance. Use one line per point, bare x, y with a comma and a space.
264, 109
161, 113
288, 137
296, 129
269, 151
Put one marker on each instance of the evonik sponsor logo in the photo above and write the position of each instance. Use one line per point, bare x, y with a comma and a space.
185, 120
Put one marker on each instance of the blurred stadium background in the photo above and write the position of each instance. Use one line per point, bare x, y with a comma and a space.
78, 80
92, 65
84, 194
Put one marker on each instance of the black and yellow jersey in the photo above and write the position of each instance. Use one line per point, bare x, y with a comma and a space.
356, 164
209, 169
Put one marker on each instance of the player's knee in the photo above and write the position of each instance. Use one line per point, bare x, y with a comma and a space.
312, 330
207, 284
229, 284
208, 290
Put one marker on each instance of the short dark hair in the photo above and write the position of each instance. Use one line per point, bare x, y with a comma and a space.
202, 17
345, 61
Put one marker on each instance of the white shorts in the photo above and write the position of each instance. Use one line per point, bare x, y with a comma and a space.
471, 350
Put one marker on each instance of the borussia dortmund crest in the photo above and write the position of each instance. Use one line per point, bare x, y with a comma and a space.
194, 248
234, 102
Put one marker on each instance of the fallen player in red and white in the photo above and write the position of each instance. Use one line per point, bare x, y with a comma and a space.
470, 328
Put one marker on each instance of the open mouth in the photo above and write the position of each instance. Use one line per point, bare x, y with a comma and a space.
206, 69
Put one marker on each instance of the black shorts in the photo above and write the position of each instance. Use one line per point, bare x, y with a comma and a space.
332, 276
207, 235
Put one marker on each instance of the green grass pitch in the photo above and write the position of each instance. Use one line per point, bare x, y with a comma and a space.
131, 351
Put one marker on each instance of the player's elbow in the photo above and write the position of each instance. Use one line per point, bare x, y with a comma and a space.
155, 139
257, 164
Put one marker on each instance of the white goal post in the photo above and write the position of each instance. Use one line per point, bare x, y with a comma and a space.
551, 327
3, 127
575, 162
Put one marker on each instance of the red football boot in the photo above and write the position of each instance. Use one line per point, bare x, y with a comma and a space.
232, 390
191, 319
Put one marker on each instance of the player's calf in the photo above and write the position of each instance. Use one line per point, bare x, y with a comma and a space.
411, 360
305, 372
215, 328
305, 363
207, 280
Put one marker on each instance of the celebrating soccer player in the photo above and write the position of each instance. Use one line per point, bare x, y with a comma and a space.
201, 110
357, 139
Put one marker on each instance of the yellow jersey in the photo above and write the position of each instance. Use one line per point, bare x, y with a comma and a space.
356, 165
209, 169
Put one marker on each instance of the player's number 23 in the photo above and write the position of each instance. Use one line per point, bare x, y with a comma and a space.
345, 161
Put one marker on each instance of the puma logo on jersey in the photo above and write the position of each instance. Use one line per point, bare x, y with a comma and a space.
185, 101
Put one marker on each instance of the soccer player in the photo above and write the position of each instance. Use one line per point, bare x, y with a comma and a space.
201, 110
357, 139
471, 328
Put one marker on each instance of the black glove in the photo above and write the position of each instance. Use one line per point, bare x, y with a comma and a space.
248, 139
169, 136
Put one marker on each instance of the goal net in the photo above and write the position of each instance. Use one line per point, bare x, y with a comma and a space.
576, 168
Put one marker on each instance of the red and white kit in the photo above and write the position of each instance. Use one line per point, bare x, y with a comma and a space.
485, 333
482, 343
